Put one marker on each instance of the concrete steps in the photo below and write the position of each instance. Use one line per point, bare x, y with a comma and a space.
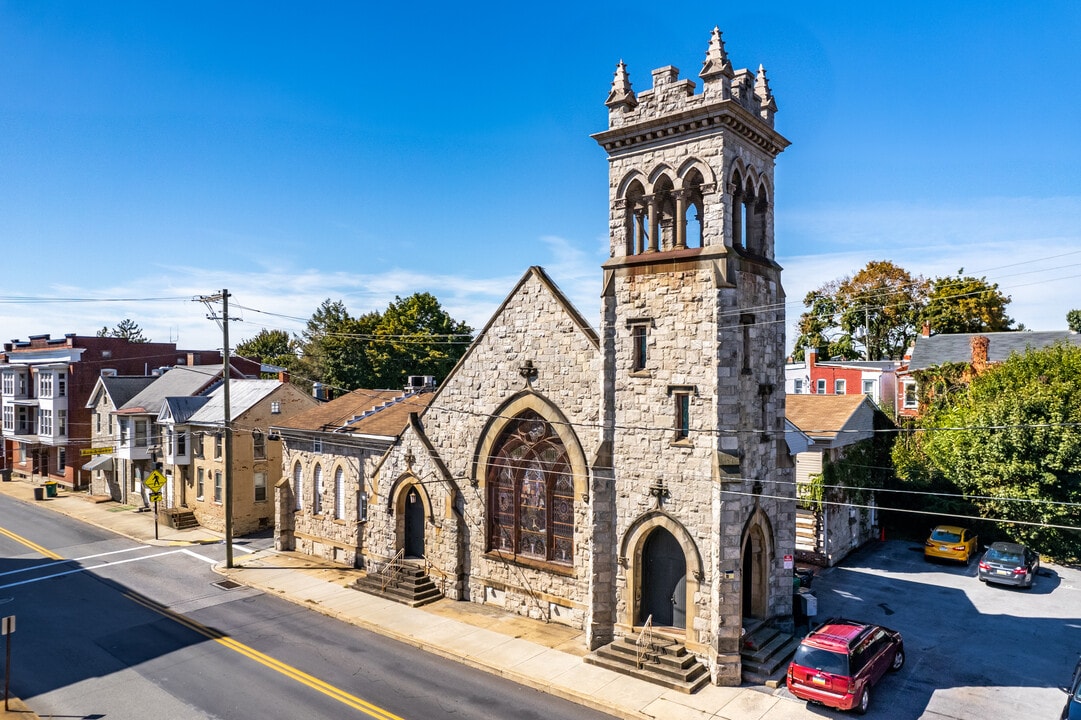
411, 586
180, 519
765, 653
665, 662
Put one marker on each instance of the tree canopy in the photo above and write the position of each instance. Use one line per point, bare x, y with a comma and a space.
965, 304
877, 308
126, 329
1073, 320
1011, 442
876, 313
413, 336
274, 347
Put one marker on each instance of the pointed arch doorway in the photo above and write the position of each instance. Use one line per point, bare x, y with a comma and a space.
414, 525
664, 581
755, 575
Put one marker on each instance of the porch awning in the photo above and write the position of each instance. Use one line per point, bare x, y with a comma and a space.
101, 462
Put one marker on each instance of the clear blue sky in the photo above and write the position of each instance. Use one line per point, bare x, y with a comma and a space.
293, 152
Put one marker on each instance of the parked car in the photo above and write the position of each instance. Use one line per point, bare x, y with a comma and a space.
1072, 711
950, 542
840, 660
1009, 563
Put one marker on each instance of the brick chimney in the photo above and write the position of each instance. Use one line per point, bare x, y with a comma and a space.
980, 345
926, 330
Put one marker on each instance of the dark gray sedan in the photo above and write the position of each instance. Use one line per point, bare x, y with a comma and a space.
1008, 563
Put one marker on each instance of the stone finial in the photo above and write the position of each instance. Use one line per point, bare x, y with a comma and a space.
716, 64
767, 105
621, 96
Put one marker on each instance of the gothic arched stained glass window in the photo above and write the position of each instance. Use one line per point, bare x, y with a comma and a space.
531, 492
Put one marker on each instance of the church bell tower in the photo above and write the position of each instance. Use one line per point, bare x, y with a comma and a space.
702, 495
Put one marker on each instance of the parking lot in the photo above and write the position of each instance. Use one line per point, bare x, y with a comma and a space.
973, 650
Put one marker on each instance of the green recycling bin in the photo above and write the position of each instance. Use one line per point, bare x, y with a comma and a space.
50, 489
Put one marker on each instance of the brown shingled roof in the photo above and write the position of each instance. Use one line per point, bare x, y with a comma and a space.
821, 416
366, 412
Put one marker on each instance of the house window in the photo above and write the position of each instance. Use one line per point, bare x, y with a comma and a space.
110, 424
97, 422
260, 486
531, 492
258, 441
820, 387
838, 387
797, 387
339, 494
362, 506
683, 415
217, 486
639, 345
298, 485
9, 417
45, 385
45, 422
181, 443
62, 423
61, 459
869, 387
61, 385
912, 400
217, 446
197, 445
140, 433
317, 445
9, 383
317, 490
275, 407
200, 484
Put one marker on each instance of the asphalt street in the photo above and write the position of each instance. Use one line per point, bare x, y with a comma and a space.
111, 628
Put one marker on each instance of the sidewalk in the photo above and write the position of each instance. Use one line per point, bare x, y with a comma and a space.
544, 656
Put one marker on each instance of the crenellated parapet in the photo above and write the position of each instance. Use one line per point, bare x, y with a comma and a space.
739, 100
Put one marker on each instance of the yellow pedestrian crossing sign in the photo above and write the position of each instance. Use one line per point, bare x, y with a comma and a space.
154, 481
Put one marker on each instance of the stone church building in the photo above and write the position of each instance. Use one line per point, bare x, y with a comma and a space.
607, 480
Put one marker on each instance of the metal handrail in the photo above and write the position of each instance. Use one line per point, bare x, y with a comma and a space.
443, 575
644, 638
392, 570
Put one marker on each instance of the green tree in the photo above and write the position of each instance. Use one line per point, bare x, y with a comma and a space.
127, 329
274, 347
1011, 443
965, 304
1073, 320
416, 336
333, 348
876, 309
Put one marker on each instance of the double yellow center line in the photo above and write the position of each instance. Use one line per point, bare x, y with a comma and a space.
287, 670
217, 636
30, 544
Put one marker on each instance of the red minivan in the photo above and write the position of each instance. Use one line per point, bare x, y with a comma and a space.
837, 664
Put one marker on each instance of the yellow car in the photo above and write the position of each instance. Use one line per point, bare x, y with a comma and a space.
950, 542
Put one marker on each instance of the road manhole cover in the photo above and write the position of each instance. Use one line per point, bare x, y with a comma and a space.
227, 585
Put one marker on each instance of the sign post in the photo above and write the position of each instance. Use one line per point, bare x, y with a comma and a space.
7, 627
154, 482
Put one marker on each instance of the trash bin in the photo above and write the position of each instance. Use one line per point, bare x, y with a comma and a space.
50, 489
39, 493
5, 474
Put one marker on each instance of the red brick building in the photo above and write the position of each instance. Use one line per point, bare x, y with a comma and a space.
44, 387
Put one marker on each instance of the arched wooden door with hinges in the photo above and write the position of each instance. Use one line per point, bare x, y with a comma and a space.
664, 581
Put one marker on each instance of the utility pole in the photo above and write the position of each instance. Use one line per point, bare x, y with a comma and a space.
226, 417
228, 433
